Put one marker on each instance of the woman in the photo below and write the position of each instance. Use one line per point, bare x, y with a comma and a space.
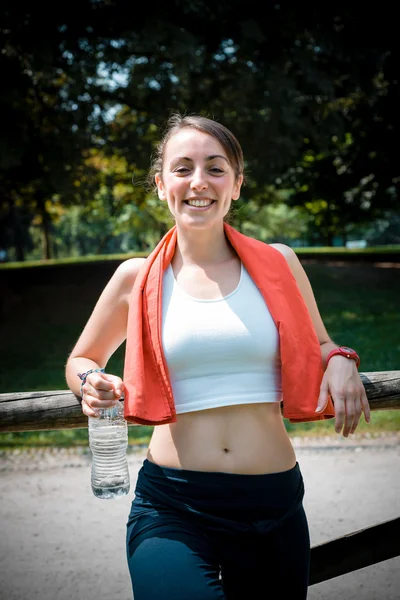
218, 509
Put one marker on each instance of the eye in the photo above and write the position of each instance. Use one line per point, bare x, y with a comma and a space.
181, 170
217, 170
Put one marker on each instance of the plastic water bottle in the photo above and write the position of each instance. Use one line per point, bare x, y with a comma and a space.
108, 441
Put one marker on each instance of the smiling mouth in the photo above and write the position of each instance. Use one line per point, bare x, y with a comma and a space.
199, 203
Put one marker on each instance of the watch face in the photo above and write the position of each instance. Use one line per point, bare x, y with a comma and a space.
347, 349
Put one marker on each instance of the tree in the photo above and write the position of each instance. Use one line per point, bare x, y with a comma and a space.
297, 83
49, 68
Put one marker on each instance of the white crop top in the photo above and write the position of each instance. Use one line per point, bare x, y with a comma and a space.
219, 352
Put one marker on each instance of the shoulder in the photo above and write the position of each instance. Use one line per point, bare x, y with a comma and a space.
125, 275
130, 267
293, 263
292, 260
286, 251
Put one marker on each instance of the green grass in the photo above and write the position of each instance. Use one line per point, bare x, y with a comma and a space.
40, 324
66, 438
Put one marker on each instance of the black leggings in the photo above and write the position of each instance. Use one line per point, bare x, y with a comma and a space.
193, 535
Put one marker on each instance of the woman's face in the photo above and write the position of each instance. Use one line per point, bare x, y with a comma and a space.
198, 181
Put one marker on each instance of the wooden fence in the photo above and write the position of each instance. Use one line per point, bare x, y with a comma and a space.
49, 410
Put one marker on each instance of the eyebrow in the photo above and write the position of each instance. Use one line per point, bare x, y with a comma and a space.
210, 157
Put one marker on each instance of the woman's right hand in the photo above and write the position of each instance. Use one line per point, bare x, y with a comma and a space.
100, 390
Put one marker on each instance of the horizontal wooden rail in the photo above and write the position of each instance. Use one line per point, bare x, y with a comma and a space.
355, 550
61, 409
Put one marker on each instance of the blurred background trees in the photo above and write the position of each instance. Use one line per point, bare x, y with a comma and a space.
311, 91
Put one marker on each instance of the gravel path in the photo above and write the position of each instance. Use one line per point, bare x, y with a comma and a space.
59, 542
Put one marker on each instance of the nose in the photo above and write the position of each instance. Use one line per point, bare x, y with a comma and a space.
199, 181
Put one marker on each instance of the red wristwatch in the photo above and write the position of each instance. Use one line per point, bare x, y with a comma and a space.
344, 351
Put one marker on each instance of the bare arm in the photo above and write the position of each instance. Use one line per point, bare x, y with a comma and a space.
105, 330
341, 379
307, 292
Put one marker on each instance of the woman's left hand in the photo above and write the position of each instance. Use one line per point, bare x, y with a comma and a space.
343, 383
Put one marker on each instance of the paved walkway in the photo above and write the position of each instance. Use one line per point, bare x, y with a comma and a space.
59, 542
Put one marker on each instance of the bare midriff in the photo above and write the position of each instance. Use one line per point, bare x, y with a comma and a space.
243, 439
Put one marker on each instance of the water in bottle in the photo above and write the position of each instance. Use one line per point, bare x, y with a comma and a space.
108, 441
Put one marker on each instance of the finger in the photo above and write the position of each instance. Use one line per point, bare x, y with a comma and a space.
350, 416
358, 412
340, 413
94, 406
105, 386
88, 410
99, 381
365, 406
96, 399
89, 390
323, 396
117, 384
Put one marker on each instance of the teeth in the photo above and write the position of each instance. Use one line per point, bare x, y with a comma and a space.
199, 202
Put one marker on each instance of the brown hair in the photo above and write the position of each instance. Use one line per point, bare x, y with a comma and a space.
177, 122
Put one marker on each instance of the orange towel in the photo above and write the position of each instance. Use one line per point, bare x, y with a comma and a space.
148, 392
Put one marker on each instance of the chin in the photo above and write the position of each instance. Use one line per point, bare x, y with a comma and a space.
198, 223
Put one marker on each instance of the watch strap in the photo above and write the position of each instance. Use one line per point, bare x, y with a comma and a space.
346, 352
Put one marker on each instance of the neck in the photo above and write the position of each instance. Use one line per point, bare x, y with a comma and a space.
203, 248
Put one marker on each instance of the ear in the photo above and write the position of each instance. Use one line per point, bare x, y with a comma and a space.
237, 188
160, 187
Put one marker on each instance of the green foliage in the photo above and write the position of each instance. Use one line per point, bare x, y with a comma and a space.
247, 227
312, 95
273, 221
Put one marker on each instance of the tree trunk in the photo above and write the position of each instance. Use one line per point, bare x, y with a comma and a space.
17, 232
46, 225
